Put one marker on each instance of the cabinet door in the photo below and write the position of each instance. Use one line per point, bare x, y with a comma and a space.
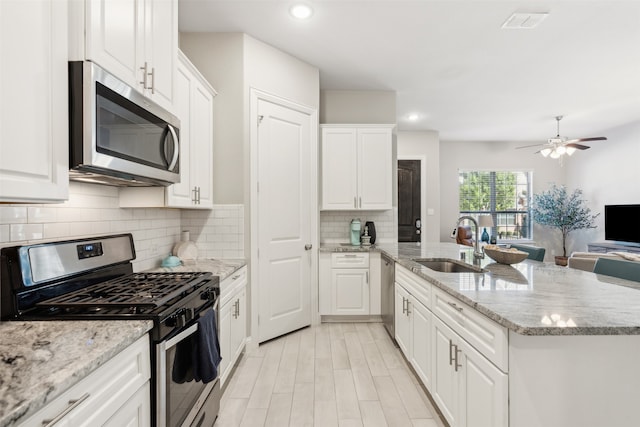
421, 319
339, 169
350, 291
444, 381
115, 38
180, 194
161, 49
483, 390
34, 159
375, 168
238, 325
224, 320
202, 145
135, 413
402, 320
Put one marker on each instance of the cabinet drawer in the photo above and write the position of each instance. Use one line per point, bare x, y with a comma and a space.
418, 287
232, 284
482, 333
101, 394
350, 260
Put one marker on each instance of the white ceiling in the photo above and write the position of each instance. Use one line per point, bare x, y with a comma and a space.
450, 61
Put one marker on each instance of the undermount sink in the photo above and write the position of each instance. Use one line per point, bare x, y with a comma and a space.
448, 266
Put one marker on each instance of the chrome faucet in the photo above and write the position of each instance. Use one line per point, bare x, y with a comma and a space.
477, 253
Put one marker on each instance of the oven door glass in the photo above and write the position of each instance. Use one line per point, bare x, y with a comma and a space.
126, 131
182, 392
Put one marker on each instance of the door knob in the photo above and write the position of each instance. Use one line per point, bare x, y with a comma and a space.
308, 247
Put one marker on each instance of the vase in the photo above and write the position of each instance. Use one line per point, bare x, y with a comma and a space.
562, 260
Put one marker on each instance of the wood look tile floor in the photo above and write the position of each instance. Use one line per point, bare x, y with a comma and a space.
333, 374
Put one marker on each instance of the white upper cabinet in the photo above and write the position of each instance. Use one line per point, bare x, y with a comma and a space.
194, 107
357, 167
34, 138
136, 40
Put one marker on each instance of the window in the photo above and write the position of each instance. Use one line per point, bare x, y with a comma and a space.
505, 195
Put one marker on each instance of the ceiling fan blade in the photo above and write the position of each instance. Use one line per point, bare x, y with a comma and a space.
595, 138
529, 146
578, 146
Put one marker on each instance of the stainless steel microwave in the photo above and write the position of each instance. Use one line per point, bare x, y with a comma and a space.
117, 136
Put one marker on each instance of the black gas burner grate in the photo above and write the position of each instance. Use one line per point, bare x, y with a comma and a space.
134, 290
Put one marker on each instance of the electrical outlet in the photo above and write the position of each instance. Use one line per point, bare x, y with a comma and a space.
153, 249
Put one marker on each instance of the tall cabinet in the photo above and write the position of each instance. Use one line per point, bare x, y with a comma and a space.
357, 167
34, 158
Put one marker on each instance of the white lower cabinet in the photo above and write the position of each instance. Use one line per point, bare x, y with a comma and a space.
350, 291
468, 389
346, 284
413, 332
233, 321
431, 329
115, 394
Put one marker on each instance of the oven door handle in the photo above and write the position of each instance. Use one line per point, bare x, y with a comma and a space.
181, 336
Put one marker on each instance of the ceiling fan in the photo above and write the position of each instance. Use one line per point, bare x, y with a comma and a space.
560, 145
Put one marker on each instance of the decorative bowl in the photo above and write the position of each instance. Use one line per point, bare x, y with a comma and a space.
505, 256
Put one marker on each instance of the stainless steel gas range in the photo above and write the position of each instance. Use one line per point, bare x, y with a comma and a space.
93, 279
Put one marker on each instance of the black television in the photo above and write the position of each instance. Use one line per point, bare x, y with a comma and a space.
621, 223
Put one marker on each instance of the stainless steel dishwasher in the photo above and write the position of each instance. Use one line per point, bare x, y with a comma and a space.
387, 298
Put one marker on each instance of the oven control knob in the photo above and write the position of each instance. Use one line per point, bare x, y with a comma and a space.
207, 295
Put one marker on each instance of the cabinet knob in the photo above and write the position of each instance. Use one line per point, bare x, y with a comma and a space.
308, 247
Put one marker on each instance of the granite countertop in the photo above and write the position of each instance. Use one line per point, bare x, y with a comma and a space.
222, 268
530, 298
41, 360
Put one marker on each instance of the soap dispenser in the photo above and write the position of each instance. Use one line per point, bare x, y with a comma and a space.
355, 232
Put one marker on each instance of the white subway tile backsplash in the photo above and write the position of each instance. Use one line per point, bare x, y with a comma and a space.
93, 210
335, 225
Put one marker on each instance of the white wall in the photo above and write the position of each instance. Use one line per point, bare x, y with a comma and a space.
427, 145
357, 106
496, 156
608, 173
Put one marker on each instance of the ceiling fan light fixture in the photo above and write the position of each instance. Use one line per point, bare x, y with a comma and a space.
545, 152
561, 150
554, 154
571, 150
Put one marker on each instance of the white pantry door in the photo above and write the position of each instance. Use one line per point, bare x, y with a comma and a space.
284, 219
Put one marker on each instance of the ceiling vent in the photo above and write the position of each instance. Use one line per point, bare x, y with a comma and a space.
524, 21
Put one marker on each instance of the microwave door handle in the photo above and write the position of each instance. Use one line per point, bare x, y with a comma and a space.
176, 151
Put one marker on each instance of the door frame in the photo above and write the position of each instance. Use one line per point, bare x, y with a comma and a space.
423, 189
251, 187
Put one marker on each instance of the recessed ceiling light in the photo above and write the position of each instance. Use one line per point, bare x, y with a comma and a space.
301, 11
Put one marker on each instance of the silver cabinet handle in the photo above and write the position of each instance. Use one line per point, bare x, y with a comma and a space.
144, 75
455, 306
72, 405
235, 277
354, 202
308, 247
153, 79
450, 352
194, 199
198, 202
404, 307
456, 365
360, 198
367, 274
408, 311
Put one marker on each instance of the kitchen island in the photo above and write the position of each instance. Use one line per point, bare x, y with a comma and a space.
558, 346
